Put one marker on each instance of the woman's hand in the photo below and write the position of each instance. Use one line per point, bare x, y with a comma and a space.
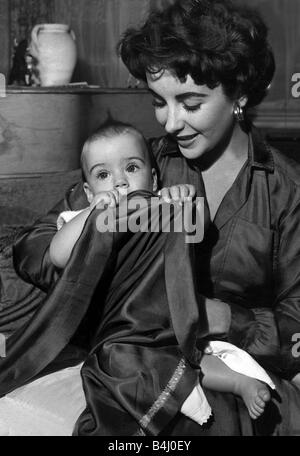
178, 193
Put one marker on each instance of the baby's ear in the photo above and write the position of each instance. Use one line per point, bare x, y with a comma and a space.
154, 179
88, 192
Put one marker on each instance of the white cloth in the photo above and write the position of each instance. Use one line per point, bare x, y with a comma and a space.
49, 406
196, 405
239, 361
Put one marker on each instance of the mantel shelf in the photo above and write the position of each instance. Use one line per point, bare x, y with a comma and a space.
72, 89
277, 116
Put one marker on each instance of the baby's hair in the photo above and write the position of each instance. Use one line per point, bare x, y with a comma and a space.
110, 129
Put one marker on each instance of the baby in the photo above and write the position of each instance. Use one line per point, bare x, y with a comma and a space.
115, 161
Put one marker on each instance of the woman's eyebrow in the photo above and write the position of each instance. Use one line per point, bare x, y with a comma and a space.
182, 96
154, 93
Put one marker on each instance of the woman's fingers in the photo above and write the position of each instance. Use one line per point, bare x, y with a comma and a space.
183, 192
178, 193
165, 194
191, 191
175, 193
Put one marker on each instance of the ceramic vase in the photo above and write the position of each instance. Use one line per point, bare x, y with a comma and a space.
54, 48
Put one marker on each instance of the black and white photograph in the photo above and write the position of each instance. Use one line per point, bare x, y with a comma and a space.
150, 221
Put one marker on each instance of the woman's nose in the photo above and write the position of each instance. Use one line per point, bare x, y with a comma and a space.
174, 122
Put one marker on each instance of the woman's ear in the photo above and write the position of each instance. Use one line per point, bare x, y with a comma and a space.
88, 192
154, 180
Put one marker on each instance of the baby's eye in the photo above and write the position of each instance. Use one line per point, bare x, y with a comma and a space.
132, 168
102, 175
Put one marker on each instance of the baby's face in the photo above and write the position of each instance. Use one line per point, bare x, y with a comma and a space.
119, 163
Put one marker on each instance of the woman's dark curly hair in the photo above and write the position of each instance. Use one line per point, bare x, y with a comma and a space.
213, 41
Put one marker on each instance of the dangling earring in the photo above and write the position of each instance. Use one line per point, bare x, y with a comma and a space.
238, 113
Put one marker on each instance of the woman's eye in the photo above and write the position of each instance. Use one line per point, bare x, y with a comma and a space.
192, 108
158, 103
132, 168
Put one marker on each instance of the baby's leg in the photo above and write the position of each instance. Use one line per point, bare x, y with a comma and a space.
219, 377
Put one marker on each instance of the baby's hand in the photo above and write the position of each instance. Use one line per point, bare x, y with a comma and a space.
102, 199
178, 193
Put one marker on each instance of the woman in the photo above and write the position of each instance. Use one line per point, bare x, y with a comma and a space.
206, 63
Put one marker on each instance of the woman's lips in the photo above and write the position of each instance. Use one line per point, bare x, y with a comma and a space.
185, 140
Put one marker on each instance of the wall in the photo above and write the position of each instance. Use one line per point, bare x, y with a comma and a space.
98, 25
4, 37
281, 109
43, 131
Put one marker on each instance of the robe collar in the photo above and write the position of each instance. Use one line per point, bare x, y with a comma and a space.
259, 153
260, 159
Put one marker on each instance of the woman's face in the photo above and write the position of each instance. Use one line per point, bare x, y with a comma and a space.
199, 119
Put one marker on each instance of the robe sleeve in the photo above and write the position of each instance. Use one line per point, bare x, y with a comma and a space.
271, 334
31, 250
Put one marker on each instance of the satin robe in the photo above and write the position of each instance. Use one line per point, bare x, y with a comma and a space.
147, 342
